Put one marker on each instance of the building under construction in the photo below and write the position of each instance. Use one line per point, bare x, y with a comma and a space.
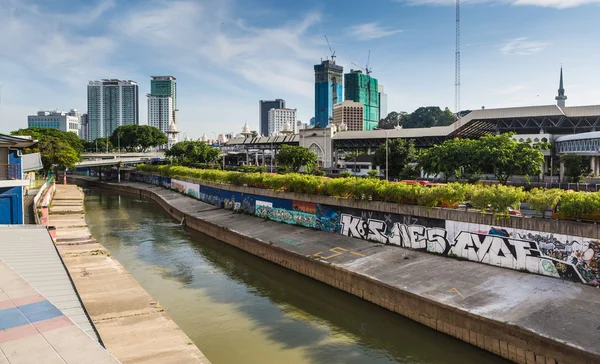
328, 91
360, 87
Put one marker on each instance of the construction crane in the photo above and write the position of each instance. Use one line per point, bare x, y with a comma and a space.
457, 125
367, 69
330, 50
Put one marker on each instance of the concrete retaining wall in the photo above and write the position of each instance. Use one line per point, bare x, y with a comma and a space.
509, 341
463, 234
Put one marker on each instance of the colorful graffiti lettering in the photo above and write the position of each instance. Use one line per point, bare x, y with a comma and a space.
573, 258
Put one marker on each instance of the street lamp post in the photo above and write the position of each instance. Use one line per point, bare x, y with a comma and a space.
386, 156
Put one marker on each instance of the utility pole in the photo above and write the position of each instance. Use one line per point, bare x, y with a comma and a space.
386, 156
457, 72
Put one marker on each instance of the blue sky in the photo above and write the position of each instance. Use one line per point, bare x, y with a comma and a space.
229, 54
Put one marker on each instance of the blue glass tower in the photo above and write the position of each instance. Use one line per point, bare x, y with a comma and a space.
328, 91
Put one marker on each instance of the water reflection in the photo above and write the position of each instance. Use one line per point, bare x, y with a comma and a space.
241, 309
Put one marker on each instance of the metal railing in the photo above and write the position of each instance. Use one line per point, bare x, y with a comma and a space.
9, 171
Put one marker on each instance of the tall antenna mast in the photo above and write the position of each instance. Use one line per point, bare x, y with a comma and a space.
457, 70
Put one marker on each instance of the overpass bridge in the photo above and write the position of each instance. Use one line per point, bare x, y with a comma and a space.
91, 160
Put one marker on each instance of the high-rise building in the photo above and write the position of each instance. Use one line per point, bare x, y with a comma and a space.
65, 121
278, 119
328, 91
363, 88
83, 133
264, 107
162, 103
350, 114
561, 98
383, 113
111, 103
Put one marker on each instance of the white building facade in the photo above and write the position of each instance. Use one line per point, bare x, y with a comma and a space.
279, 117
111, 103
61, 120
160, 112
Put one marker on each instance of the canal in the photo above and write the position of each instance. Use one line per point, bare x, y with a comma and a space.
241, 309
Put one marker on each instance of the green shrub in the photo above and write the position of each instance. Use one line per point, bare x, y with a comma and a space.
345, 174
497, 199
541, 199
579, 204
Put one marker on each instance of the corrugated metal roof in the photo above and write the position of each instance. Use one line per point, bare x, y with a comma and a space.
582, 111
29, 251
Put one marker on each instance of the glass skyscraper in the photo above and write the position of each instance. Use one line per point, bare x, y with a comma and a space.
111, 103
328, 91
363, 88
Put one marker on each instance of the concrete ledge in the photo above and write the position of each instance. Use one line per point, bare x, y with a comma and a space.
521, 317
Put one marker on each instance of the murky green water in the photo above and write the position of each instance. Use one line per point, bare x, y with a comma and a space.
241, 309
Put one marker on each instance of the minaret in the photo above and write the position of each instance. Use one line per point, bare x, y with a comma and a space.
560, 99
172, 134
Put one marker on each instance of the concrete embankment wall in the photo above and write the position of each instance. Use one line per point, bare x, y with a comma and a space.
507, 340
560, 249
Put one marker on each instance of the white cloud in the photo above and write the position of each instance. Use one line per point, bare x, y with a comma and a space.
523, 47
559, 4
368, 31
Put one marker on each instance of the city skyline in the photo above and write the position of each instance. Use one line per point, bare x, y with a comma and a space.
511, 55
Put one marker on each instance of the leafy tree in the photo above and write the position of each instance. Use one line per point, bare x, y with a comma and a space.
293, 157
454, 158
400, 153
392, 120
576, 167
41, 133
190, 153
138, 137
100, 145
254, 133
57, 154
58, 149
426, 117
506, 157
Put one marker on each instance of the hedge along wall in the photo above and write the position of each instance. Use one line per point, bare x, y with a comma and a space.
574, 258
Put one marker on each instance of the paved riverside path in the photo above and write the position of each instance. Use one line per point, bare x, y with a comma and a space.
550, 307
132, 326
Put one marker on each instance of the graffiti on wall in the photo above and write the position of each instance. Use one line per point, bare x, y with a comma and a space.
187, 188
282, 210
568, 257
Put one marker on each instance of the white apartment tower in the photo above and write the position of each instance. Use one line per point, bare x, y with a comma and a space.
111, 103
279, 117
162, 106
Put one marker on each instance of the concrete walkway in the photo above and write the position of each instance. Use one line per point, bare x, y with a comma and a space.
544, 307
132, 326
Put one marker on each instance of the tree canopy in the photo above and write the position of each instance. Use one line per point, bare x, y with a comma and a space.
497, 154
58, 149
393, 120
400, 153
456, 158
423, 117
426, 117
191, 153
294, 157
137, 137
576, 167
